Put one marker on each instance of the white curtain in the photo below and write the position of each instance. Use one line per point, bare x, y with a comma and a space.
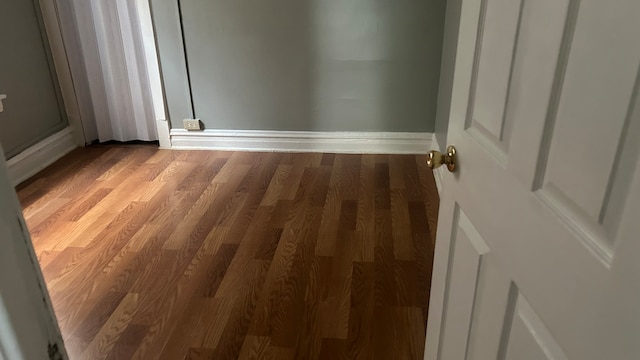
113, 50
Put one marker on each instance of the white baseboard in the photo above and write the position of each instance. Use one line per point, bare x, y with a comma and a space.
438, 173
37, 157
303, 141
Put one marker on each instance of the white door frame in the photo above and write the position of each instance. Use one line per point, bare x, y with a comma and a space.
59, 53
145, 22
28, 325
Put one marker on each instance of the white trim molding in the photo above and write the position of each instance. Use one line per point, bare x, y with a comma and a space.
438, 173
152, 67
39, 156
303, 141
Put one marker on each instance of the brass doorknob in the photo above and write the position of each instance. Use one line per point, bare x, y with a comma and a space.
435, 159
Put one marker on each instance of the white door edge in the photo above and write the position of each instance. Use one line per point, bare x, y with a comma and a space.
438, 173
28, 324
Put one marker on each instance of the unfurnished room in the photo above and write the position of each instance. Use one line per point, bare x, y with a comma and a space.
319, 179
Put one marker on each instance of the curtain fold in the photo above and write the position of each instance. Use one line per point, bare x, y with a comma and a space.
114, 53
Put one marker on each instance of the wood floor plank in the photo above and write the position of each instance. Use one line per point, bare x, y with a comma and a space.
47, 216
164, 316
383, 191
201, 208
61, 260
326, 245
336, 310
350, 176
361, 317
240, 315
384, 261
187, 332
286, 319
334, 349
366, 211
57, 177
128, 342
277, 185
109, 334
200, 354
69, 212
101, 312
311, 329
156, 254
46, 257
401, 228
254, 347
217, 315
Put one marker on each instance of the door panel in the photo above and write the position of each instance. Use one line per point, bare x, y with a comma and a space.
595, 107
528, 338
467, 251
32, 109
542, 47
552, 188
497, 34
493, 309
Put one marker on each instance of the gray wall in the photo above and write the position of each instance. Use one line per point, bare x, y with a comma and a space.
32, 109
449, 48
326, 65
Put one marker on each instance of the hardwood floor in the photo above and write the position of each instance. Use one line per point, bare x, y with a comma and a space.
157, 254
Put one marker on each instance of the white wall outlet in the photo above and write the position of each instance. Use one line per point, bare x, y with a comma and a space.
2, 97
192, 124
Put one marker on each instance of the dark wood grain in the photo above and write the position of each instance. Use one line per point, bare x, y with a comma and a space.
155, 254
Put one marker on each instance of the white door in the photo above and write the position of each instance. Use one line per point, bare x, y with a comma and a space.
538, 251
28, 329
